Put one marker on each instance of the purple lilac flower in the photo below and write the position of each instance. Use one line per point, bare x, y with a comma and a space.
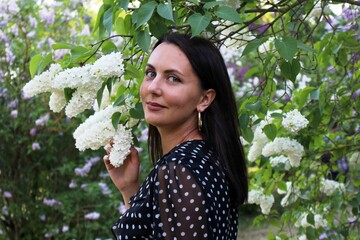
3, 37
51, 202
104, 188
144, 135
13, 104
3, 93
356, 94
84, 170
122, 208
10, 57
33, 22
7, 194
92, 216
47, 16
42, 217
14, 114
93, 160
36, 146
42, 120
5, 210
241, 73
32, 132
65, 228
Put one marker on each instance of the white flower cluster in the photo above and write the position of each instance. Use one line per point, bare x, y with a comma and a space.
330, 186
290, 191
259, 141
294, 121
97, 131
354, 160
285, 146
259, 198
85, 80
320, 222
274, 161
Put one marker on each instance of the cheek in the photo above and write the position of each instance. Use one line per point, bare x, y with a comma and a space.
142, 90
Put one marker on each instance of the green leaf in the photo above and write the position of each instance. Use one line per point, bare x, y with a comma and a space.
44, 63
99, 94
34, 63
56, 46
157, 26
165, 11
286, 47
115, 119
124, 4
253, 45
270, 131
310, 219
144, 14
143, 39
209, 5
99, 17
254, 106
228, 13
132, 71
108, 47
290, 70
199, 23
248, 135
244, 120
120, 100
137, 112
108, 19
304, 47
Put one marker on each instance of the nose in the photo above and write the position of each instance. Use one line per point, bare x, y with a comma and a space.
154, 86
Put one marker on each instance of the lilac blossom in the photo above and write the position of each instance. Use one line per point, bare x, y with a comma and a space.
33, 22
42, 120
92, 216
51, 202
13, 104
122, 208
47, 16
36, 146
93, 160
65, 228
72, 184
10, 57
32, 132
3, 37
241, 73
7, 194
82, 172
14, 114
3, 93
104, 188
5, 210
42, 217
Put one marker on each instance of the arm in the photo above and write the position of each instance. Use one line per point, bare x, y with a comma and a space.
181, 204
125, 177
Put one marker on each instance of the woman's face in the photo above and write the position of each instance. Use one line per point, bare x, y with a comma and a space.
170, 92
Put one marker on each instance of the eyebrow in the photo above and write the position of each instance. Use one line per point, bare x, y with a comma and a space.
167, 70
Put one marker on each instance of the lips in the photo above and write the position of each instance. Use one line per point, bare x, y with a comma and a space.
153, 106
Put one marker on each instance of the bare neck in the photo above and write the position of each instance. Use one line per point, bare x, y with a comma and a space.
171, 138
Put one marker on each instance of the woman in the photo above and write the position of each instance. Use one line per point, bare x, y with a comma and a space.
199, 177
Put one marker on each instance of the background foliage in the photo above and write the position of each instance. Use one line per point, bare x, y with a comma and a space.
282, 55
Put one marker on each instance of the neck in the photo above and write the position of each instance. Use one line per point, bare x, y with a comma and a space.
170, 139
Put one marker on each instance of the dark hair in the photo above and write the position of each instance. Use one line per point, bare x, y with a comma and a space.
220, 119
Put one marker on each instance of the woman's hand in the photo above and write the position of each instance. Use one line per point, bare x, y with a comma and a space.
125, 177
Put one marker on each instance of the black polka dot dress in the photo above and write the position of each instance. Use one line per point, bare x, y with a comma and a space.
185, 196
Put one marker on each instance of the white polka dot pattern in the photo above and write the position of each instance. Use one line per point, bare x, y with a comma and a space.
186, 196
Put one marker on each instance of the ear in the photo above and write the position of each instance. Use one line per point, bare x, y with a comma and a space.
207, 98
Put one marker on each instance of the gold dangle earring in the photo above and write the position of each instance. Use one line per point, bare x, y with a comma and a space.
199, 121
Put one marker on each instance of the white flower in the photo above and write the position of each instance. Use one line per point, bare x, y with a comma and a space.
285, 146
274, 161
290, 190
329, 186
354, 159
121, 148
258, 143
259, 198
57, 101
108, 66
92, 216
82, 99
318, 220
43, 82
294, 121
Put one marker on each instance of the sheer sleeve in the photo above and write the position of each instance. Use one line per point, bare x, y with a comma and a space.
181, 203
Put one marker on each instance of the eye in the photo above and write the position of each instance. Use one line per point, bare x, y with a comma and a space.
174, 79
150, 74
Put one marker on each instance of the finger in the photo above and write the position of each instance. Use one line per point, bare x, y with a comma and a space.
108, 165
